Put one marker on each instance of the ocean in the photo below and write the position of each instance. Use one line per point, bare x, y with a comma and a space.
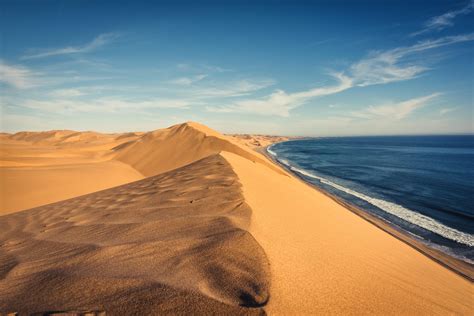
422, 185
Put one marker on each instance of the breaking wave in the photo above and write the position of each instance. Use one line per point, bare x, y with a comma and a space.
399, 211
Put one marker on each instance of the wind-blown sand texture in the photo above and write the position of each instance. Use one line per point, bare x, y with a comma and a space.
45, 167
214, 228
145, 246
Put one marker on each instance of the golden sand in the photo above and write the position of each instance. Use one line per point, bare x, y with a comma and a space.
211, 227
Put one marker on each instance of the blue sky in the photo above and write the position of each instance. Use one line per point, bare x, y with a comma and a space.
315, 68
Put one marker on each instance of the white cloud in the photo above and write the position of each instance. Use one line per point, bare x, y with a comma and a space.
391, 66
395, 111
66, 93
230, 89
16, 76
446, 111
440, 22
186, 81
216, 68
202, 67
281, 103
102, 105
97, 42
379, 67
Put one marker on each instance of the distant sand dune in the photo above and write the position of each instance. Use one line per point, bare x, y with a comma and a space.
38, 168
27, 187
166, 149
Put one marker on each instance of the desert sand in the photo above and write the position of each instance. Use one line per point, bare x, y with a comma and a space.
257, 142
208, 226
45, 167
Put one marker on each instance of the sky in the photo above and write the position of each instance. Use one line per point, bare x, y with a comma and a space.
313, 68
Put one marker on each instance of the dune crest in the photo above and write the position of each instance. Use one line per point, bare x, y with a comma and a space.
61, 164
180, 235
167, 149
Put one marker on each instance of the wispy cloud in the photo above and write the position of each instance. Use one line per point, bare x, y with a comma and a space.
321, 42
102, 105
96, 43
281, 103
16, 76
440, 22
446, 111
186, 81
230, 89
66, 93
201, 67
395, 111
380, 67
391, 65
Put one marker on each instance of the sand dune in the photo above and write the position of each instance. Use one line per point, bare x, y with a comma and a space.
174, 147
45, 167
257, 141
178, 238
57, 165
26, 187
214, 228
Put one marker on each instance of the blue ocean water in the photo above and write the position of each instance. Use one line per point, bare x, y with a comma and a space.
423, 185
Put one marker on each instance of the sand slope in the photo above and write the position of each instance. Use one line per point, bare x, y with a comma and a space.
38, 168
326, 260
166, 149
178, 239
25, 187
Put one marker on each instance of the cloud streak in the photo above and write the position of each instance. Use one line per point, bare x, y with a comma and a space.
446, 111
231, 89
440, 22
99, 41
390, 66
102, 105
281, 103
397, 111
16, 76
379, 67
66, 93
186, 81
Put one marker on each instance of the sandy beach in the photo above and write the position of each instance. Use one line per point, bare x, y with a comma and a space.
185, 220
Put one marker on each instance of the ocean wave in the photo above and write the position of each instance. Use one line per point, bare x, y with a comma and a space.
271, 152
284, 161
399, 211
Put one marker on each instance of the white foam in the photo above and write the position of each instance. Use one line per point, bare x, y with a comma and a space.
284, 161
271, 152
408, 215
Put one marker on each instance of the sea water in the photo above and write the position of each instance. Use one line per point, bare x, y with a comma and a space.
422, 185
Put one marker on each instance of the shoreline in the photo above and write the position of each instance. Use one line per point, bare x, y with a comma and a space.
455, 265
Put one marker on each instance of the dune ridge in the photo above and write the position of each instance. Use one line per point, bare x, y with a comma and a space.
166, 149
178, 237
57, 165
